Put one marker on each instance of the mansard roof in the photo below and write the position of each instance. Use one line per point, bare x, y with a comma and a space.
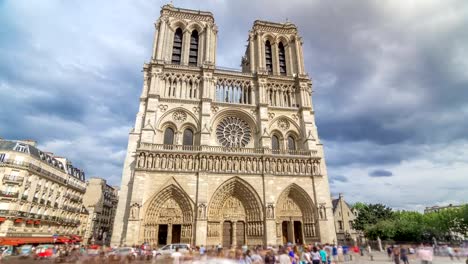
46, 157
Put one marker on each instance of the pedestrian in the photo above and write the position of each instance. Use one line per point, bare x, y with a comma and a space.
323, 255
315, 256
284, 257
404, 255
176, 256
396, 255
306, 258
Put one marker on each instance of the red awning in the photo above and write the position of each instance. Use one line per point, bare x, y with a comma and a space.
76, 238
29, 221
37, 222
2, 219
15, 241
18, 220
63, 239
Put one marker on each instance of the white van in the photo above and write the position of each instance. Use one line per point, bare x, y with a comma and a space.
167, 250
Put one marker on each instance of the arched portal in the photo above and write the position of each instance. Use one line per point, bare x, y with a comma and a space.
169, 217
295, 217
235, 215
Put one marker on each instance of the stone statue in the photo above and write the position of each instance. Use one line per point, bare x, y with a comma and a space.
249, 165
156, 165
203, 163
163, 165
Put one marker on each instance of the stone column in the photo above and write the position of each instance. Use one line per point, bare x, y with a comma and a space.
169, 234
234, 233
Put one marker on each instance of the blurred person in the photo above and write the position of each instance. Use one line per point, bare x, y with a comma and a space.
340, 254
176, 256
269, 257
306, 257
396, 254
323, 255
389, 252
404, 255
425, 254
315, 255
284, 256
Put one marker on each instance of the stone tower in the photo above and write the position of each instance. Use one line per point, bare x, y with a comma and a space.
220, 156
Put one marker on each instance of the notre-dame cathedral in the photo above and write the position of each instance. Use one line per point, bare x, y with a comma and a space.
218, 156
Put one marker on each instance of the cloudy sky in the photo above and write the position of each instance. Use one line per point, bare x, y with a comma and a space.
390, 81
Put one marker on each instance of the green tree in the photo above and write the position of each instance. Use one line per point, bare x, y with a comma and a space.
371, 214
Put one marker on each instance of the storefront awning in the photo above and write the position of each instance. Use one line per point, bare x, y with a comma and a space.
2, 219
15, 241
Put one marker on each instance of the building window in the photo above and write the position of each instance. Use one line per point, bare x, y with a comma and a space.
351, 224
2, 157
275, 143
193, 54
291, 143
169, 136
188, 137
340, 225
177, 46
282, 59
21, 147
268, 57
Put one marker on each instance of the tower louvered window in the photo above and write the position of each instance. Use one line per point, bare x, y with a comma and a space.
282, 59
268, 57
193, 54
177, 46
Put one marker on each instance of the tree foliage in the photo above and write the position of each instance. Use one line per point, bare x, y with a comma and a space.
370, 214
377, 220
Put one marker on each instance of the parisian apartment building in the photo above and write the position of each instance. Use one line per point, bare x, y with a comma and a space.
41, 195
100, 203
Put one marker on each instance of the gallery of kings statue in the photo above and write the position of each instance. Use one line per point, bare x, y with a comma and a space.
219, 156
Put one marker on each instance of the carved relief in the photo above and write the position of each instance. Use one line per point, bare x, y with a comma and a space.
283, 124
179, 116
163, 108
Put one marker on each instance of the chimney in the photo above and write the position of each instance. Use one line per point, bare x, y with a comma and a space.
30, 142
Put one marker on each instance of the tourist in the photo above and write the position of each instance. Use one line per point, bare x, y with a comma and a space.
284, 257
176, 256
323, 255
315, 255
396, 254
340, 253
404, 255
389, 252
335, 253
306, 258
269, 257
425, 253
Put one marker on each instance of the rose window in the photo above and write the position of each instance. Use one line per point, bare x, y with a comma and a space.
233, 132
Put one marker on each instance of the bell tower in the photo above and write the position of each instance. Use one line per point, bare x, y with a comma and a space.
274, 49
185, 37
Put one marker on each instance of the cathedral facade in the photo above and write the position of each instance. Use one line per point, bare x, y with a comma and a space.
218, 156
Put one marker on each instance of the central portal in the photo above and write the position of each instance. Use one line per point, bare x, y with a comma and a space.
235, 215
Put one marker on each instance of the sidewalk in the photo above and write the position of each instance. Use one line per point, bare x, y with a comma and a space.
380, 257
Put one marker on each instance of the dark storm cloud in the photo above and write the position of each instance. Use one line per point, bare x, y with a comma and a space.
380, 173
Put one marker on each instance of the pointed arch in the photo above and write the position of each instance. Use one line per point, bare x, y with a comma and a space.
301, 198
241, 190
156, 203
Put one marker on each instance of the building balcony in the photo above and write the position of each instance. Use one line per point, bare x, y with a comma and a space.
24, 197
6, 194
216, 159
35, 199
13, 179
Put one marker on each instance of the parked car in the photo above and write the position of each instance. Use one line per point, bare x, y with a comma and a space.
122, 253
44, 251
25, 251
167, 250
